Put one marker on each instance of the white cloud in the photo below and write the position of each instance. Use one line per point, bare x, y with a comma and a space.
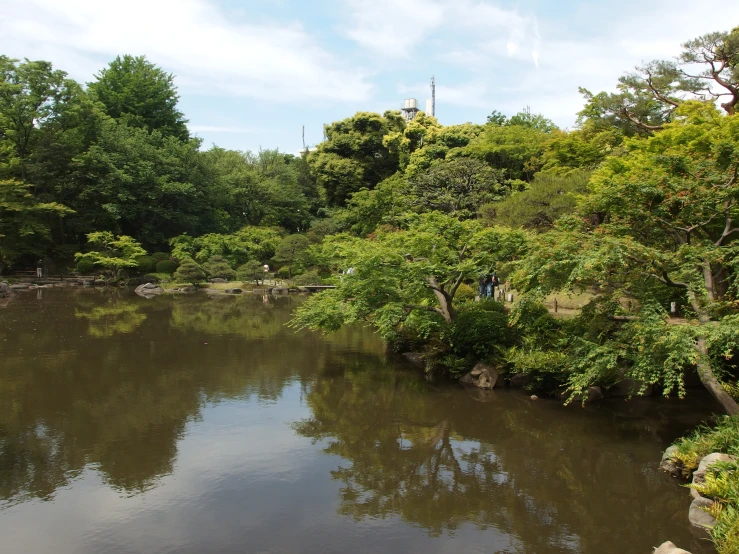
218, 129
193, 39
394, 28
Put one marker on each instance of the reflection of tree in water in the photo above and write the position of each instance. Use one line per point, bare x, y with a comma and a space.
112, 318
555, 480
122, 401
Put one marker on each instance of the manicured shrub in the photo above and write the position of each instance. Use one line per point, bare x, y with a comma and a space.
218, 267
477, 331
147, 264
86, 267
166, 266
308, 278
250, 271
160, 256
189, 272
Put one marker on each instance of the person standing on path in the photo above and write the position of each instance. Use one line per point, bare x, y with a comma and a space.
494, 283
40, 268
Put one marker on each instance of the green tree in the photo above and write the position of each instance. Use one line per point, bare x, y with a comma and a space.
23, 228
419, 268
458, 187
291, 251
138, 92
530, 120
547, 198
660, 219
250, 271
705, 70
239, 247
514, 149
113, 254
218, 266
353, 155
146, 185
189, 271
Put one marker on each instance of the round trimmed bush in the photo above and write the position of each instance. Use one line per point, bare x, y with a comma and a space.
477, 331
160, 256
167, 266
147, 264
86, 267
189, 272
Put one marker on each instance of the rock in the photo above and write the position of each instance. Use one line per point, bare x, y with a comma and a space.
482, 376
148, 290
534, 397
669, 464
278, 290
416, 358
233, 291
189, 289
699, 476
218, 280
594, 393
670, 548
20, 286
99, 282
5, 290
698, 515
259, 291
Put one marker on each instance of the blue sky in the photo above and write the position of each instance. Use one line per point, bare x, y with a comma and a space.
252, 73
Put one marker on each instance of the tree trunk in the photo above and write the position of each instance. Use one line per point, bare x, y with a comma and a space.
445, 306
711, 383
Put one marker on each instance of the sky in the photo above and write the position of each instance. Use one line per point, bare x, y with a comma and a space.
252, 73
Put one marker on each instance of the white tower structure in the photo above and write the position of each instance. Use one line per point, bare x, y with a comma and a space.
410, 108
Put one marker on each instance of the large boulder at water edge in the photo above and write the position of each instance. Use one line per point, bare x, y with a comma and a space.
669, 548
148, 290
416, 358
669, 463
699, 476
482, 376
4, 290
698, 514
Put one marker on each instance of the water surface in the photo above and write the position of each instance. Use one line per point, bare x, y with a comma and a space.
195, 425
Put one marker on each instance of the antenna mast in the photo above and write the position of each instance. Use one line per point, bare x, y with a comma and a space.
303, 137
433, 96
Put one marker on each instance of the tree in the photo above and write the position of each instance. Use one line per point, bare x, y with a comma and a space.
189, 272
218, 266
660, 220
526, 119
146, 185
239, 247
497, 118
458, 187
547, 198
514, 149
23, 227
30, 95
141, 94
250, 271
398, 272
353, 155
291, 250
114, 253
705, 70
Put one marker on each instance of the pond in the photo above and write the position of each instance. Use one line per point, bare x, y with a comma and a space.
194, 424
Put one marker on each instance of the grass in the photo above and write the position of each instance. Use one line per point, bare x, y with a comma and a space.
723, 483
